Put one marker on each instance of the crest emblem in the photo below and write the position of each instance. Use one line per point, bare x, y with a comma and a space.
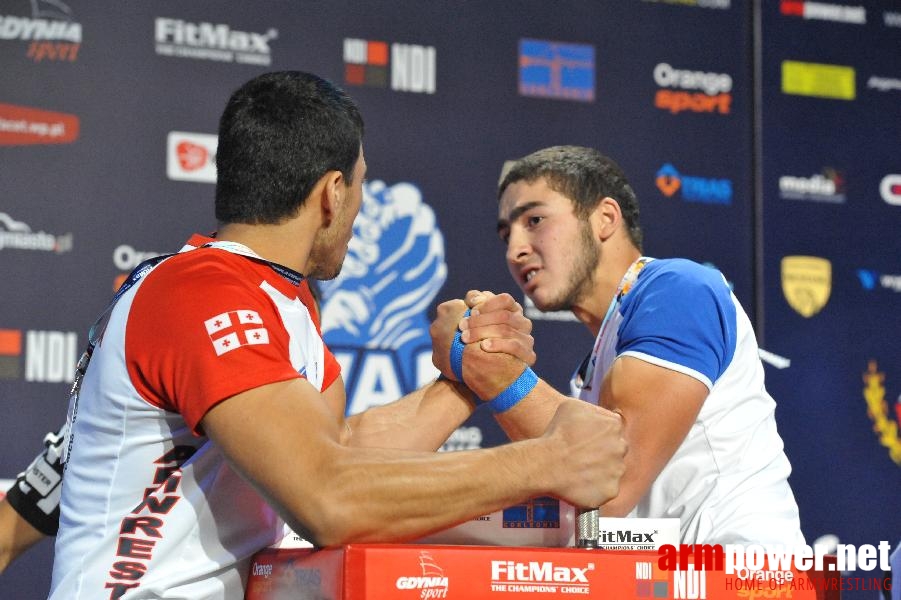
885, 425
806, 283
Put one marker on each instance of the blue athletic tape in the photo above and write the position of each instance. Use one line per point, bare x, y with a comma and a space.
515, 392
456, 353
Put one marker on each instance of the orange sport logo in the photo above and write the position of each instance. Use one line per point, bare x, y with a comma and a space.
684, 90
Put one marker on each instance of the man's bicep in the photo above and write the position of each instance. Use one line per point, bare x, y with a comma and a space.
279, 437
659, 407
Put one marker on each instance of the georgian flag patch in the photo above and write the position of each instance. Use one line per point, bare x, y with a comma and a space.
234, 329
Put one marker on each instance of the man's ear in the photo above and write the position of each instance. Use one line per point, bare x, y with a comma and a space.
332, 190
607, 217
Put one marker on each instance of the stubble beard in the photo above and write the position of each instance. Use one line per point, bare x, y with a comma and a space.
581, 277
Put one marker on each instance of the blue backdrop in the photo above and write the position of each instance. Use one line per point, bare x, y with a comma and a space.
760, 138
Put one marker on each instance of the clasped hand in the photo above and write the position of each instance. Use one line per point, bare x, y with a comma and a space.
497, 338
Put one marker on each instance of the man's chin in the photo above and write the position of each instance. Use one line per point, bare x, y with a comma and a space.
545, 305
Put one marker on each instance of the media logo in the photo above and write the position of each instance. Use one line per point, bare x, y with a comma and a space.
52, 32
16, 235
884, 84
828, 186
191, 156
835, 82
557, 70
885, 424
824, 11
24, 126
806, 283
870, 280
537, 513
375, 313
890, 189
678, 93
693, 188
432, 583
412, 68
212, 41
49, 356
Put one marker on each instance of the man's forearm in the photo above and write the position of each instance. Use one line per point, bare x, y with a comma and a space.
16, 534
421, 420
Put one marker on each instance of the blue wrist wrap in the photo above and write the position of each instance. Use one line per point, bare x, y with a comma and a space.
456, 353
516, 391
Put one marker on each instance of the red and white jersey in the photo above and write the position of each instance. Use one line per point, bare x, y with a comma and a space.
150, 508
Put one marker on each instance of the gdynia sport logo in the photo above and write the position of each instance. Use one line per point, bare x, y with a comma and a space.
758, 568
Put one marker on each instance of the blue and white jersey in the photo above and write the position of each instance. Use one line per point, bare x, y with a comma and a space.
728, 481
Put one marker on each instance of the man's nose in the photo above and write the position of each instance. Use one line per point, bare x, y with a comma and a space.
518, 247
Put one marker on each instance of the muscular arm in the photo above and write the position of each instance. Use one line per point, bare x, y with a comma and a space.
659, 406
421, 420
425, 418
284, 439
16, 534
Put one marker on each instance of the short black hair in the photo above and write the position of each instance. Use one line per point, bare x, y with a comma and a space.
583, 175
278, 135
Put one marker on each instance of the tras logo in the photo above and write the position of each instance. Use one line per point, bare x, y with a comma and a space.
431, 584
412, 68
885, 424
374, 313
693, 189
52, 33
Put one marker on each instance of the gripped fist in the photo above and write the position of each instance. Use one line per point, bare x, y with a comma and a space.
592, 449
496, 325
442, 330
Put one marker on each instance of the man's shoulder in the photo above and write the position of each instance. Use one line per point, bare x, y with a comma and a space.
203, 267
680, 274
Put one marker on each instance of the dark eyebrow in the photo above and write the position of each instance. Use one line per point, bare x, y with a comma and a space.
516, 212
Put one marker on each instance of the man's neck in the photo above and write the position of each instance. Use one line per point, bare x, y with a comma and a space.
281, 243
611, 269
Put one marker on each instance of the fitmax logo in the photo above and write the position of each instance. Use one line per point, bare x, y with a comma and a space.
626, 536
538, 572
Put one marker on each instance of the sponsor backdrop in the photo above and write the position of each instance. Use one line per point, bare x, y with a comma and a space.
761, 138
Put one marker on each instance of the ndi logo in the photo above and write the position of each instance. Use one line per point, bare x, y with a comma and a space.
412, 67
